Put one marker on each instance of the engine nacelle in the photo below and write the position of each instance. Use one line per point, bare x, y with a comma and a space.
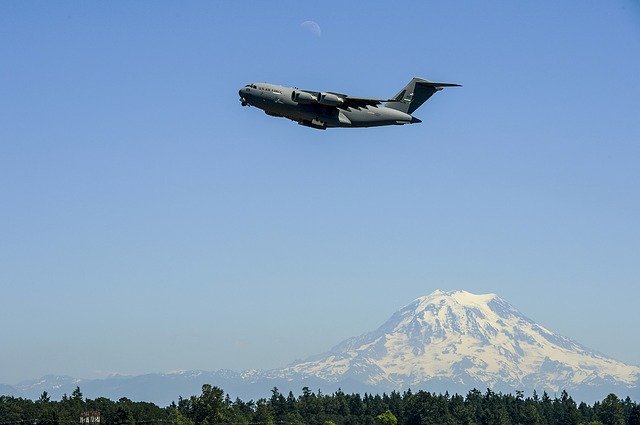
303, 97
330, 99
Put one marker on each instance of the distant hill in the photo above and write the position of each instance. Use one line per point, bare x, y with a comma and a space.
446, 341
8, 390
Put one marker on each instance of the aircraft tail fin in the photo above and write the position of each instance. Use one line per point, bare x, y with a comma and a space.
414, 94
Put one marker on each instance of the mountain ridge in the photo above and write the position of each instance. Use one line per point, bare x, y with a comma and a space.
445, 341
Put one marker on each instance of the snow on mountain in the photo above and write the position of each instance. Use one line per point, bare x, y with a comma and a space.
465, 339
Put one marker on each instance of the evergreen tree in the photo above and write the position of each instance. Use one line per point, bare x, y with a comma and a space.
263, 414
634, 415
278, 405
546, 409
611, 411
531, 415
566, 411
44, 398
585, 412
76, 394
209, 407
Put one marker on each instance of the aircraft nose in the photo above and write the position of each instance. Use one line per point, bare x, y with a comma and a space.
243, 96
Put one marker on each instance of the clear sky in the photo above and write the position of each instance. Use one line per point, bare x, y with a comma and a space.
149, 223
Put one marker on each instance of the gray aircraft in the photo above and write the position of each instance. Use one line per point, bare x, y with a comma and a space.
328, 109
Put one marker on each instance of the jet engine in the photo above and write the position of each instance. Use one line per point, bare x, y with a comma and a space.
330, 99
303, 97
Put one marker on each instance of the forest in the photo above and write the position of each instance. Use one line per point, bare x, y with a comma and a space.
213, 406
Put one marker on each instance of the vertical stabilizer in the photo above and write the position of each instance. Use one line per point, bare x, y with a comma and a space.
414, 94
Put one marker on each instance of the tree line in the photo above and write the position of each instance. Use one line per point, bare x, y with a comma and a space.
213, 406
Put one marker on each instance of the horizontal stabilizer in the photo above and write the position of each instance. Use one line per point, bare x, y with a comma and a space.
436, 85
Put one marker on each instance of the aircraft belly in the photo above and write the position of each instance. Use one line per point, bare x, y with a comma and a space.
369, 116
285, 110
323, 116
337, 117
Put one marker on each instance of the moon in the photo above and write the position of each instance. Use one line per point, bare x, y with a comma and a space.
312, 27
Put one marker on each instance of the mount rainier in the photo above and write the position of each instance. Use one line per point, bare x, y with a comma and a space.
446, 341
456, 341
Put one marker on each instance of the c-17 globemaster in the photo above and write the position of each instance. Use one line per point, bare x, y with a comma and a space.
329, 109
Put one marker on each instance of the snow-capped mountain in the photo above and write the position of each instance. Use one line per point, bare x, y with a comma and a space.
446, 341
460, 340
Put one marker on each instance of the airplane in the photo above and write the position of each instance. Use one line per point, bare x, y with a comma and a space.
322, 110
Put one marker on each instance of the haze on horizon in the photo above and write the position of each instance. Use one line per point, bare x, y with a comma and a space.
150, 223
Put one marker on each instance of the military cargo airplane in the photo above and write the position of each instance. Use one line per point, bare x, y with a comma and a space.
322, 110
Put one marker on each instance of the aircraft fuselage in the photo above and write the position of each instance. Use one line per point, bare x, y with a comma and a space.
277, 101
327, 109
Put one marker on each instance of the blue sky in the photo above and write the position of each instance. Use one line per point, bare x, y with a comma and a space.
150, 223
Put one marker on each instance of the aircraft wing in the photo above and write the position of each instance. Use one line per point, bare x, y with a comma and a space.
359, 102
